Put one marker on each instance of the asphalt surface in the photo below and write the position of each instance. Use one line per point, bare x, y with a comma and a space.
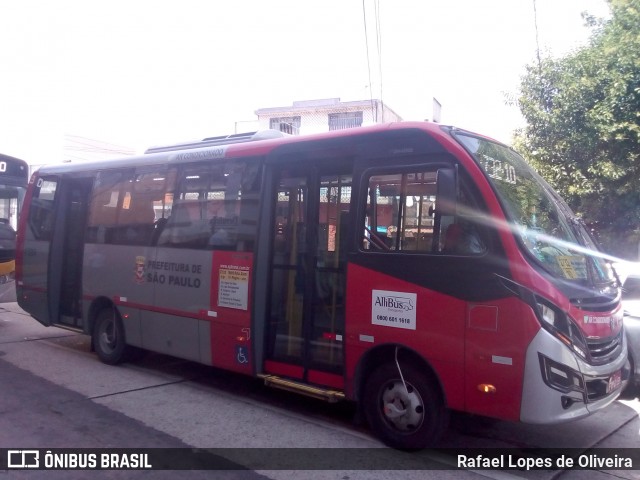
36, 413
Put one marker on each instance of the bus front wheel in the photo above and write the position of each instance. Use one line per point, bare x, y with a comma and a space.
406, 412
108, 337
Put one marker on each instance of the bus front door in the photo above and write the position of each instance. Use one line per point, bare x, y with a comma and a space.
308, 274
67, 266
49, 286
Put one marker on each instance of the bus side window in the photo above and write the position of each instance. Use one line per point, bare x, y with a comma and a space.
185, 226
462, 233
136, 215
122, 210
135, 222
41, 213
400, 212
401, 217
103, 207
216, 208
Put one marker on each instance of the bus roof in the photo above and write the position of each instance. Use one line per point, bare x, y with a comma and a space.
237, 145
14, 171
221, 140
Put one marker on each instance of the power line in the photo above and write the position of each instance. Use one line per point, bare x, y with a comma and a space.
97, 144
379, 42
535, 22
366, 41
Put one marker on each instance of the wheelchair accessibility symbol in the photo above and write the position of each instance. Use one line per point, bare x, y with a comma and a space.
242, 354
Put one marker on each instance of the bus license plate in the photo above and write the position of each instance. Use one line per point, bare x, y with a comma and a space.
614, 382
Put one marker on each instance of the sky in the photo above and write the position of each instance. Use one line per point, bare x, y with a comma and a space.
136, 73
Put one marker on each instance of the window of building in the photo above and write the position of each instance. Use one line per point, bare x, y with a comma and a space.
290, 125
340, 121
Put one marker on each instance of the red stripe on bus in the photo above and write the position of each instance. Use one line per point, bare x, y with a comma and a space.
152, 308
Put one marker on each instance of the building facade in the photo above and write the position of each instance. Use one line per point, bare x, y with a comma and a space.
313, 116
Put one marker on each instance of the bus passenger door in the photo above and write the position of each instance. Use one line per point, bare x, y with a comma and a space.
67, 266
308, 270
49, 282
34, 239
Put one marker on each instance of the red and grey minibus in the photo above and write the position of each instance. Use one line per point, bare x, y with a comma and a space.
412, 268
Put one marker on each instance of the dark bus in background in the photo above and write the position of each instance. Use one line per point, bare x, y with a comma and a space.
14, 177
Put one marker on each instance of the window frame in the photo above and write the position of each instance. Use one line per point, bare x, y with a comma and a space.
345, 120
290, 125
464, 184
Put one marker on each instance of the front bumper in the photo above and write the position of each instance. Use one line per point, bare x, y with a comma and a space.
560, 387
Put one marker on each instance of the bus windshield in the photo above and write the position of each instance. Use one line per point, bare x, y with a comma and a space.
14, 176
10, 201
539, 217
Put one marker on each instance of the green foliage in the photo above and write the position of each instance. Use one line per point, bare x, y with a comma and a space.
583, 125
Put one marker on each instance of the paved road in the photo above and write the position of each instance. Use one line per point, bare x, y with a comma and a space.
8, 292
39, 413
55, 393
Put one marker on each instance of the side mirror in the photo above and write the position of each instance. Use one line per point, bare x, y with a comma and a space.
446, 192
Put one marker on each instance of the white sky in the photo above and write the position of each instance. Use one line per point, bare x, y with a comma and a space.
145, 72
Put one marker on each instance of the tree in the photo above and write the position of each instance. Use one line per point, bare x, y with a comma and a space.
582, 129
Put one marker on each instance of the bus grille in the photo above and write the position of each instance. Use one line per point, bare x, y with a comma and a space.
603, 350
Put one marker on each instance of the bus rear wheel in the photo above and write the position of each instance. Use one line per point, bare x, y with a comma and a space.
108, 337
408, 414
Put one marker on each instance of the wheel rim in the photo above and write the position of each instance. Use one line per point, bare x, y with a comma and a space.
108, 335
402, 408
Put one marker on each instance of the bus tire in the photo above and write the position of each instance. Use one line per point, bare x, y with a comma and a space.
108, 337
406, 419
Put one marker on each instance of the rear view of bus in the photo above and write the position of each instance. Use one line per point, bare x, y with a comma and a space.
411, 267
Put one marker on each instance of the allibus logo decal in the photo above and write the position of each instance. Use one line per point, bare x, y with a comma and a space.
393, 309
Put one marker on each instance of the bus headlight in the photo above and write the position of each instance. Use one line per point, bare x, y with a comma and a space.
547, 313
556, 322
